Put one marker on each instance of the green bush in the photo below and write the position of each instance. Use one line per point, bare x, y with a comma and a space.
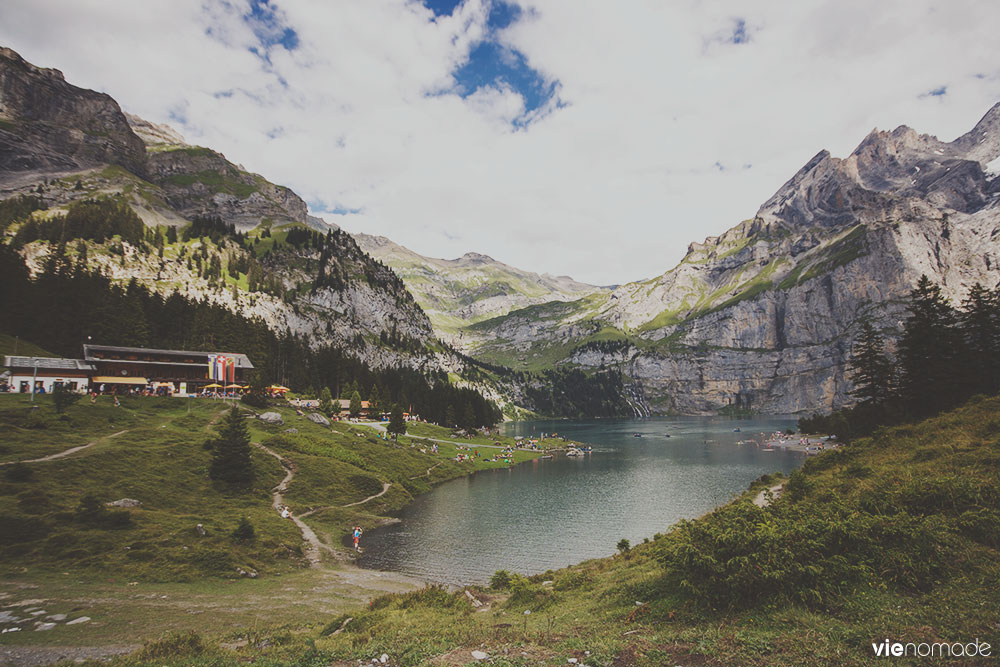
743, 555
92, 512
244, 532
525, 595
500, 581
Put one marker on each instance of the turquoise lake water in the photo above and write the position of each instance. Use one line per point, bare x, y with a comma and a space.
552, 513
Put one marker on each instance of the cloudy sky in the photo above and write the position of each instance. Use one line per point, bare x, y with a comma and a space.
581, 137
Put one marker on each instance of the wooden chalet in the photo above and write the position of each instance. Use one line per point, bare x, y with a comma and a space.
185, 371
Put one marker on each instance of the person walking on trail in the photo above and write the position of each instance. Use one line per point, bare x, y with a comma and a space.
357, 537
286, 513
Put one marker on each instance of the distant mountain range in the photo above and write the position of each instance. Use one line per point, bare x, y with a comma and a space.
458, 292
760, 318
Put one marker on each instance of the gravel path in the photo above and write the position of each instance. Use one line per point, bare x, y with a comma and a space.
68, 452
314, 546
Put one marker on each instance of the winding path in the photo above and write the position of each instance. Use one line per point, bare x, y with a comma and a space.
314, 546
385, 487
428, 473
80, 448
68, 452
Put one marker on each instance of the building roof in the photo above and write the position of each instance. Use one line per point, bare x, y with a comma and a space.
47, 363
242, 360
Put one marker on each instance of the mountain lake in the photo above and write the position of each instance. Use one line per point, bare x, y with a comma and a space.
550, 513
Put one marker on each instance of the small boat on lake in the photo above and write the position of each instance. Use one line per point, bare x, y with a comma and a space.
637, 435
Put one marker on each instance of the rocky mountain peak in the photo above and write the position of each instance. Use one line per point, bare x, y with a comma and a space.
982, 142
16, 59
52, 126
476, 258
154, 134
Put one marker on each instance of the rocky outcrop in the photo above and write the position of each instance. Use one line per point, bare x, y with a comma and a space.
201, 182
50, 126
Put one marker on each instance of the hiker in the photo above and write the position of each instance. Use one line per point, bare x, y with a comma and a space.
118, 403
286, 513
357, 537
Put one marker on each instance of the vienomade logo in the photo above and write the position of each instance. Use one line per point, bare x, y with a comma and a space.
888, 649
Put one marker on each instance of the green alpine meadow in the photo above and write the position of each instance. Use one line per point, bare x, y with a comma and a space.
499, 332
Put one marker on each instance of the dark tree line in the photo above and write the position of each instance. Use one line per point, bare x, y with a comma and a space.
93, 219
66, 305
945, 355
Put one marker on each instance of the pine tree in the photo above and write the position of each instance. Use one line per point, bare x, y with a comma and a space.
469, 418
980, 323
231, 460
869, 367
355, 404
397, 425
929, 352
326, 402
449, 416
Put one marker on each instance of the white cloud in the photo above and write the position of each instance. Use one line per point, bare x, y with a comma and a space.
611, 187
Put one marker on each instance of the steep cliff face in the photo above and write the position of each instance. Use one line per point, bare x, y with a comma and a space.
763, 316
48, 125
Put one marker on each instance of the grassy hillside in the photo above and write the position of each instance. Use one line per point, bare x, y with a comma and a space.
893, 537
151, 450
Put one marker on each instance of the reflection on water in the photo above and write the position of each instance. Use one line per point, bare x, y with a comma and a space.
552, 513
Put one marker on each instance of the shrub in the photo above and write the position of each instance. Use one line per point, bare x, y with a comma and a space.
244, 532
92, 512
256, 399
500, 580
63, 398
624, 545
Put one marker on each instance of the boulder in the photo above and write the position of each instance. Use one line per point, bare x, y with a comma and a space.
479, 655
271, 418
291, 430
76, 621
318, 418
125, 502
44, 626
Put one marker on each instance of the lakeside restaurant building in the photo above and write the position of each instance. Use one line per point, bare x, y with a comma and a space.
45, 374
180, 371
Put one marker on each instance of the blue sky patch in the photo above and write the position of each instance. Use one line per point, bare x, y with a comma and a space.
740, 35
267, 24
442, 7
321, 207
491, 64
